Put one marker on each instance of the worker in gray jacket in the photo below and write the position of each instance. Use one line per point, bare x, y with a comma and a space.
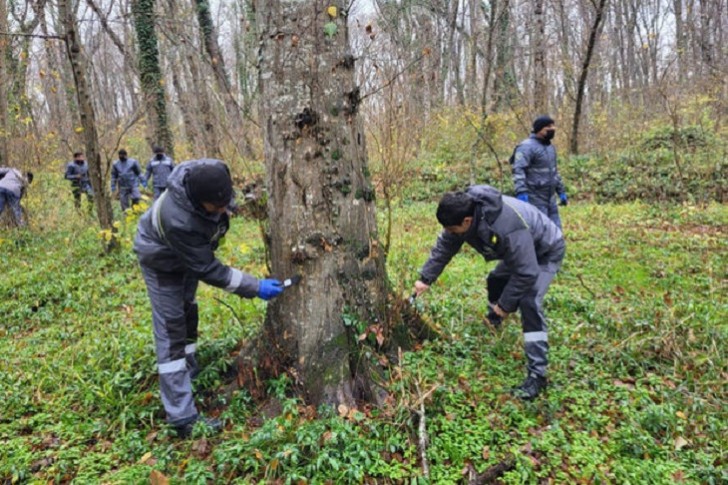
126, 174
158, 169
530, 248
175, 244
536, 178
77, 173
12, 189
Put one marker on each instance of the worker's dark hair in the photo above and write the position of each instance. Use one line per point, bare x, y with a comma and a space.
77, 154
122, 152
29, 176
454, 207
158, 149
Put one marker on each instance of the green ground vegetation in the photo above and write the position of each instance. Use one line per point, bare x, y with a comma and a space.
638, 377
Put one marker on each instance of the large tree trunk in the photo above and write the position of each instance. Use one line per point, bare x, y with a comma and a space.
88, 117
150, 74
320, 206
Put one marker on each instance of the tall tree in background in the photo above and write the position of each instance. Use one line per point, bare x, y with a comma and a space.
88, 117
321, 204
540, 95
150, 74
581, 85
4, 57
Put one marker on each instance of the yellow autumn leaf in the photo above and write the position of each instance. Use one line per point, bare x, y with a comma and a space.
78, 129
681, 415
332, 11
145, 457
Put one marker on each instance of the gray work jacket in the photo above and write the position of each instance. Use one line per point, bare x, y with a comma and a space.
503, 228
534, 170
176, 235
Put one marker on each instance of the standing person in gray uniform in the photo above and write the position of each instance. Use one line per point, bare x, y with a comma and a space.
127, 175
159, 168
530, 248
77, 173
536, 178
175, 244
12, 190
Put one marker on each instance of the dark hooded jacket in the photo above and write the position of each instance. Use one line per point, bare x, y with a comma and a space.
503, 228
535, 171
176, 235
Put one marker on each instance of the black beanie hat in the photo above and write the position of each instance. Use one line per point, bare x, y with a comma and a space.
210, 182
541, 122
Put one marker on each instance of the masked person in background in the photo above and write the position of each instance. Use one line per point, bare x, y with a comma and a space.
158, 169
536, 178
12, 190
77, 173
175, 244
127, 175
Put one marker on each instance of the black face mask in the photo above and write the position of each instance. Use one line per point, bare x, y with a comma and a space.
160, 156
123, 159
80, 162
550, 134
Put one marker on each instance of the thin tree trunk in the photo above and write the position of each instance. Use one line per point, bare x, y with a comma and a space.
88, 117
4, 56
321, 203
540, 96
599, 14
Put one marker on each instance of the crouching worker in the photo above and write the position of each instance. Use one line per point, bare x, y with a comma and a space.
530, 248
12, 190
175, 244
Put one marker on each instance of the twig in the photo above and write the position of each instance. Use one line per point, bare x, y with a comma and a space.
35, 36
581, 280
231, 309
422, 432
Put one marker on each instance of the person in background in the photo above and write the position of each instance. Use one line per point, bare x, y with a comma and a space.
536, 178
175, 244
77, 173
159, 168
12, 189
126, 174
530, 249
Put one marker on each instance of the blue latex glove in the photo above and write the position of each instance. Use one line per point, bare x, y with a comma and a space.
564, 199
523, 196
269, 289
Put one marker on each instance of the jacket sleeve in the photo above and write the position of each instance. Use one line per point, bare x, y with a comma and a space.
199, 258
521, 162
560, 189
520, 258
148, 173
70, 173
114, 177
445, 248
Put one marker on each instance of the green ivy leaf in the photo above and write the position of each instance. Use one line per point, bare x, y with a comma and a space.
330, 29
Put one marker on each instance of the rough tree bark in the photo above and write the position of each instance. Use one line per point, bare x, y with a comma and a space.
88, 116
4, 56
540, 95
150, 74
593, 34
321, 203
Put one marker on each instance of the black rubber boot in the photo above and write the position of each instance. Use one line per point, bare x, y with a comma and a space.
531, 387
211, 425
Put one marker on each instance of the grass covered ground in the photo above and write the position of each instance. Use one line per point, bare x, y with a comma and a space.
639, 327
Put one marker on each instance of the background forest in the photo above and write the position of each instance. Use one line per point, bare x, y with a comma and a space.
444, 91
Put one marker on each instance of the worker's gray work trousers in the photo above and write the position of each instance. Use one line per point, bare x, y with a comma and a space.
533, 319
175, 320
129, 194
